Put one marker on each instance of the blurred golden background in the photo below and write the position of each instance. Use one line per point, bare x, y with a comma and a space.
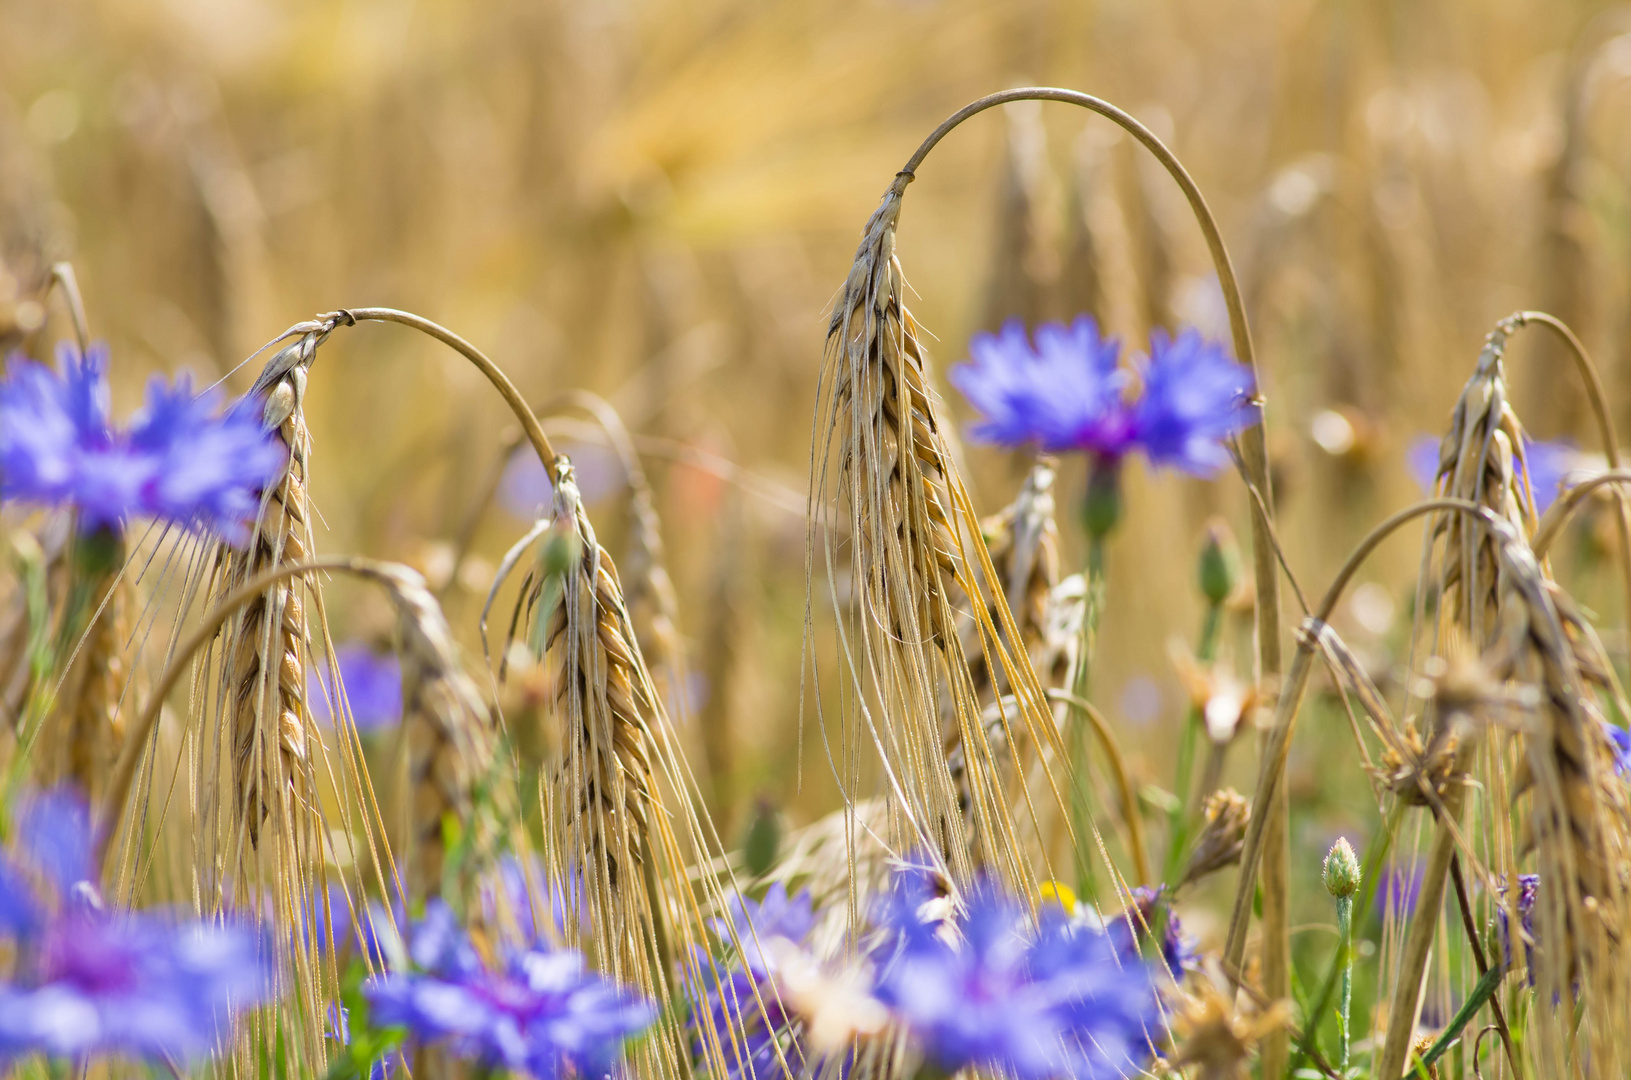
656, 201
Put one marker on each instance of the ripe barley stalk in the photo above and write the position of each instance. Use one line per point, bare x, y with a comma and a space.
267, 845
908, 515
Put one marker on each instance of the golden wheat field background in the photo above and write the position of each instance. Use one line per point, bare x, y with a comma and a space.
658, 201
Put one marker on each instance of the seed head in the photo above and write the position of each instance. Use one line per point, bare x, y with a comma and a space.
1342, 874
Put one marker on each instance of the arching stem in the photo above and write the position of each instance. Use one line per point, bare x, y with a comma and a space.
1278, 740
1598, 398
501, 382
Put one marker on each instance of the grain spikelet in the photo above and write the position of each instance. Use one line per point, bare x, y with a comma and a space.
265, 649
907, 515
452, 743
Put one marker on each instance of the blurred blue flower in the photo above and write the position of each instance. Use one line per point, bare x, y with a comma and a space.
1064, 1000
1528, 891
1551, 467
1397, 889
181, 460
1194, 398
1069, 393
1138, 921
372, 683
1065, 393
739, 1008
1620, 741
525, 489
91, 981
539, 1012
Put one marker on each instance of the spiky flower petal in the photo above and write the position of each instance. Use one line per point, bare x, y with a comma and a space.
182, 460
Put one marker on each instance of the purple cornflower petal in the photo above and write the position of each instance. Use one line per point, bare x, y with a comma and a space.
1063, 1001
776, 916
525, 489
55, 834
1620, 741
539, 1012
1551, 467
180, 461
1178, 949
1397, 889
1528, 891
1194, 397
1065, 393
373, 687
19, 914
1421, 458
134, 984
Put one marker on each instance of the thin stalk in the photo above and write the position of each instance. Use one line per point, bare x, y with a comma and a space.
1370, 875
1469, 924
1345, 961
1483, 991
1081, 681
1188, 739
1277, 742
1125, 795
1406, 1003
1566, 505
62, 276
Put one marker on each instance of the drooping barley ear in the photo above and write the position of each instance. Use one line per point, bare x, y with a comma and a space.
454, 776
908, 513
1478, 461
1579, 823
603, 782
265, 649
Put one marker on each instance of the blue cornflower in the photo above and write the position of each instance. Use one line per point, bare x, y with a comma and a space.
1063, 1000
181, 460
1553, 467
372, 683
1528, 892
538, 1012
1397, 890
1619, 740
1069, 393
91, 981
1178, 949
740, 1009
1194, 398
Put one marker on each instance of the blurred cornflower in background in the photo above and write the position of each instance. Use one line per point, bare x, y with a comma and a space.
93, 981
538, 1011
1553, 467
181, 460
372, 682
1060, 999
1067, 392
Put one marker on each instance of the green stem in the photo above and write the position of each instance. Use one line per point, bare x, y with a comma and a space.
1081, 678
1345, 958
1188, 739
1480, 996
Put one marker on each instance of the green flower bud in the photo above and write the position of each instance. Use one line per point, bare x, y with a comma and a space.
1342, 874
1101, 508
1219, 565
